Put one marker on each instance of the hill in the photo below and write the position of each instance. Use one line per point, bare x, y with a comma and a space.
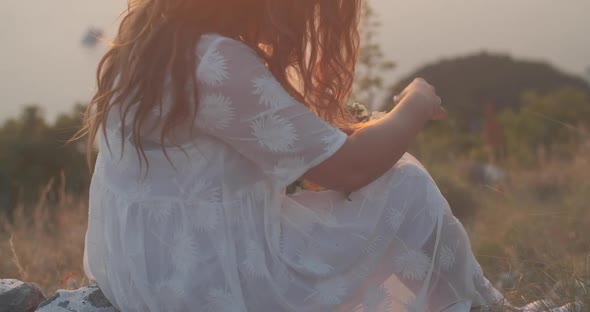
468, 83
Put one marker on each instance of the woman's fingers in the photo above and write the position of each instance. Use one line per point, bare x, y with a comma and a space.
429, 98
440, 114
416, 83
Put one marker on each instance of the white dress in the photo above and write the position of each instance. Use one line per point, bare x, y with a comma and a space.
212, 229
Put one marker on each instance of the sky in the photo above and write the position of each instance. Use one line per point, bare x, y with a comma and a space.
42, 60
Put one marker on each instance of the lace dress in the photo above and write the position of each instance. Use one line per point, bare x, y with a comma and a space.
213, 230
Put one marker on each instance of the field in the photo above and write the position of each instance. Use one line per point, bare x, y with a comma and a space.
530, 233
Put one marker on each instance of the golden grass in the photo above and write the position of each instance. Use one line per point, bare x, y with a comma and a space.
531, 235
44, 244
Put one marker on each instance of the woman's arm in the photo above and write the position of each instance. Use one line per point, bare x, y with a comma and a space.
372, 150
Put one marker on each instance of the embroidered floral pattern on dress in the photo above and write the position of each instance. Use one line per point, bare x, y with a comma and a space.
274, 133
447, 258
314, 265
283, 169
373, 244
158, 210
395, 218
215, 111
329, 140
213, 68
206, 216
254, 263
412, 264
330, 292
271, 93
185, 251
377, 299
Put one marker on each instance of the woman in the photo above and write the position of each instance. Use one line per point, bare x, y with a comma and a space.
206, 111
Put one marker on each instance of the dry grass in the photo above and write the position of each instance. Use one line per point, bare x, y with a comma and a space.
44, 244
531, 235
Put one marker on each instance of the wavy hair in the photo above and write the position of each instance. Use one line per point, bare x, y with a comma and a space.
310, 46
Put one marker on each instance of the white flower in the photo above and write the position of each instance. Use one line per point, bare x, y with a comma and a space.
412, 264
330, 293
358, 109
395, 218
447, 258
221, 300
185, 251
286, 166
274, 133
213, 68
271, 93
255, 262
215, 112
377, 115
377, 299
314, 265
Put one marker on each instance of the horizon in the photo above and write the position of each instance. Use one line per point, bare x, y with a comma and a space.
46, 63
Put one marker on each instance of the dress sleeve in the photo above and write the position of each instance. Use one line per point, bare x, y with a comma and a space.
242, 104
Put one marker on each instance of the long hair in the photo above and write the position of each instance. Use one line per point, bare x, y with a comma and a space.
310, 46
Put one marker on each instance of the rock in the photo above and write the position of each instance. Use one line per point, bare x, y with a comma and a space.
86, 299
17, 296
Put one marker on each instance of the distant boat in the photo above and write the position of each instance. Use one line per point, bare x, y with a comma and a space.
92, 37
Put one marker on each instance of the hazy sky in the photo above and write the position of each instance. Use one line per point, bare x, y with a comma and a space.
42, 59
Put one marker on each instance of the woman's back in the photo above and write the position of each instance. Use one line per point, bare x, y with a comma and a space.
178, 229
205, 225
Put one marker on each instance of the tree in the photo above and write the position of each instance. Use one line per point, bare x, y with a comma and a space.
35, 152
371, 65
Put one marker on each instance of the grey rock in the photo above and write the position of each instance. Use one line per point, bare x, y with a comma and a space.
17, 296
86, 299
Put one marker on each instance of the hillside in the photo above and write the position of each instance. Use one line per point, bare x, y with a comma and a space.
467, 83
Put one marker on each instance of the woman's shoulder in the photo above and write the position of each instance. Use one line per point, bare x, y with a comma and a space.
218, 42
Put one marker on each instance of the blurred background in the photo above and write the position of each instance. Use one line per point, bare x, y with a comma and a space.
512, 158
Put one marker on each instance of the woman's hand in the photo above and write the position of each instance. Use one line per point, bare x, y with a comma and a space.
422, 100
373, 149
